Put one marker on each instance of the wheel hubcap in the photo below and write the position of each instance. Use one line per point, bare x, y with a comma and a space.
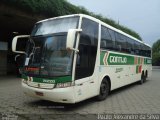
103, 89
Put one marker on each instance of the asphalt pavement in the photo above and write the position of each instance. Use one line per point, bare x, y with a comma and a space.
131, 99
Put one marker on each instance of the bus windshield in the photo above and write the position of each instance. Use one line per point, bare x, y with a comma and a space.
46, 50
55, 26
48, 56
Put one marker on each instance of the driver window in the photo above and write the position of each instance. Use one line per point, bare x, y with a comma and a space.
87, 49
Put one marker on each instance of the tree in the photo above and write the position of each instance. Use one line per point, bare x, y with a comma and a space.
53, 8
156, 53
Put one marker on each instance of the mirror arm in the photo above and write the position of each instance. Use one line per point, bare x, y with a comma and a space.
77, 51
79, 30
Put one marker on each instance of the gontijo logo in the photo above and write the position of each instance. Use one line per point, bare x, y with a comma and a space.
108, 58
117, 59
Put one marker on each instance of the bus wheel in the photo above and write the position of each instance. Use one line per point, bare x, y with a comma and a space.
104, 90
146, 75
142, 79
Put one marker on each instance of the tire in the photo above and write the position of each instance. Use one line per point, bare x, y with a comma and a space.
104, 90
142, 79
146, 75
145, 78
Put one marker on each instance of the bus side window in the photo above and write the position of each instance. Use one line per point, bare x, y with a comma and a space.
106, 40
148, 51
141, 49
137, 48
112, 34
103, 44
130, 46
118, 44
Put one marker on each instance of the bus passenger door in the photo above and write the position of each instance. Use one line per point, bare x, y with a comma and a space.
84, 77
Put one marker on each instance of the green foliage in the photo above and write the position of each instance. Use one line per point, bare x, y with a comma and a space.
53, 8
156, 53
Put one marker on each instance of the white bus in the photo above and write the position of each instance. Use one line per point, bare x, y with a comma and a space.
75, 57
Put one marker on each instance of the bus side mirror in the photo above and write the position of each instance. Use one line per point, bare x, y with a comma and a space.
71, 36
15, 41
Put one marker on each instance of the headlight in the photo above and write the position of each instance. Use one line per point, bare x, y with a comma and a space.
63, 85
24, 81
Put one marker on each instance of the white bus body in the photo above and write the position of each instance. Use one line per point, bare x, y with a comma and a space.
97, 59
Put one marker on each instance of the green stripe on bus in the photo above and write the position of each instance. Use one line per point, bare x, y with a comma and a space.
102, 57
119, 59
50, 80
115, 59
147, 61
108, 58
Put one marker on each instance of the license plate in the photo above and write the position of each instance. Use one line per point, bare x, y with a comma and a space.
39, 93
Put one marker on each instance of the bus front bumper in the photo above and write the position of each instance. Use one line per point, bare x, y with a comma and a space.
62, 95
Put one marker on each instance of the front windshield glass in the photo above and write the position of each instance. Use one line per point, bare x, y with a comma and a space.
48, 56
55, 26
46, 50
